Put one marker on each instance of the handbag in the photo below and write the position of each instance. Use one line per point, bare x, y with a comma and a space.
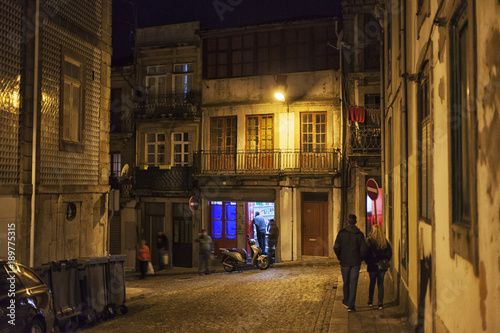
383, 264
150, 268
165, 259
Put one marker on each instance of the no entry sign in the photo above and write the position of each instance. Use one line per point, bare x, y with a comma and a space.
372, 189
193, 203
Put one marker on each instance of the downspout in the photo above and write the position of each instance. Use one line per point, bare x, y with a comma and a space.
404, 133
35, 130
292, 218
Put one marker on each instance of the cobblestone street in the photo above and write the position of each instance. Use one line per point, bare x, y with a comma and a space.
286, 299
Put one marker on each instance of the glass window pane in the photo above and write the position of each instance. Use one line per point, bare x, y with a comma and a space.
216, 229
161, 137
151, 137
151, 159
217, 211
230, 212
161, 149
230, 229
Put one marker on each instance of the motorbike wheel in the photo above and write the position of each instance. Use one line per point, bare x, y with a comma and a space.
228, 268
263, 263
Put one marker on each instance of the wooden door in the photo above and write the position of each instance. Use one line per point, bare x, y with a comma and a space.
314, 228
182, 245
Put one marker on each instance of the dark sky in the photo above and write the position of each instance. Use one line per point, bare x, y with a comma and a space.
212, 14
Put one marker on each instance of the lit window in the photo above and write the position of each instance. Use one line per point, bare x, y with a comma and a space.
155, 149
183, 79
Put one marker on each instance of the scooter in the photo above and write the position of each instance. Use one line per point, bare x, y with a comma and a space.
233, 259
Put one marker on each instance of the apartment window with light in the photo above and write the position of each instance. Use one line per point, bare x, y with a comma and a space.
425, 148
72, 100
259, 133
183, 79
180, 149
313, 132
115, 164
156, 80
155, 149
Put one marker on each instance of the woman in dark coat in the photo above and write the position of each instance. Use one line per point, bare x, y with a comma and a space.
379, 249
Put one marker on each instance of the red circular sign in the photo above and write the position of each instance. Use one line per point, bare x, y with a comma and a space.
372, 189
193, 203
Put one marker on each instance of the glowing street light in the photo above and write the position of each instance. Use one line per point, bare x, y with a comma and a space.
279, 96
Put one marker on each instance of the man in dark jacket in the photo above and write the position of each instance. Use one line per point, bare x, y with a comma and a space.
206, 248
350, 247
260, 226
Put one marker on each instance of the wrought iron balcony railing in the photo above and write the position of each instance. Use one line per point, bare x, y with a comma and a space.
156, 179
365, 141
169, 105
269, 162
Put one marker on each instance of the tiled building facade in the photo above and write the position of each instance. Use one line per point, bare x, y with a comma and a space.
57, 80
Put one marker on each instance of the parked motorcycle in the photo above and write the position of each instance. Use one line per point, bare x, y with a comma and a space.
233, 259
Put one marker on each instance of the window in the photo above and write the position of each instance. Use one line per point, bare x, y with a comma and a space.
223, 134
155, 149
115, 161
270, 52
183, 79
72, 105
425, 149
180, 149
223, 220
156, 81
371, 47
242, 55
314, 132
223, 143
259, 133
463, 229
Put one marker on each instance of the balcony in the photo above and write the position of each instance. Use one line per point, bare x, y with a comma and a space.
156, 179
169, 106
275, 162
365, 141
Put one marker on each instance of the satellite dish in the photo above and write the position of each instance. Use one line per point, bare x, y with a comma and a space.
124, 173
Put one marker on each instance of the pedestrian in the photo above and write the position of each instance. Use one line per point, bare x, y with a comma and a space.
162, 247
379, 254
261, 227
272, 238
206, 249
144, 258
350, 248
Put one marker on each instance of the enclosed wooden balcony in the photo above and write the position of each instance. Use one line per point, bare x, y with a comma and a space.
273, 162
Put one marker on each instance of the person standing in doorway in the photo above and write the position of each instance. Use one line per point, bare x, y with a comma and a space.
144, 258
261, 227
162, 247
379, 250
272, 240
350, 248
206, 249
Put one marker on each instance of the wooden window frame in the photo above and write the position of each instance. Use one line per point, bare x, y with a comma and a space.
463, 118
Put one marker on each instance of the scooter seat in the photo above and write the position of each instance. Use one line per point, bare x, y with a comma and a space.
243, 252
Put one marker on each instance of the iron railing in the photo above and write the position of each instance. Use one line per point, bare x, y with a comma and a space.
365, 141
269, 162
157, 179
169, 105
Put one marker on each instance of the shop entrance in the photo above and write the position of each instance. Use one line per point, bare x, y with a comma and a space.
374, 207
223, 223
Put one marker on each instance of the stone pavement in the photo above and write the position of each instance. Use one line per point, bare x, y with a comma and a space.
333, 316
366, 318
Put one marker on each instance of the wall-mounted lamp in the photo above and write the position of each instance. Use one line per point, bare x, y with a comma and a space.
280, 88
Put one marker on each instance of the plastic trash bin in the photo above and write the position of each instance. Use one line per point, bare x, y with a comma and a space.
62, 279
92, 275
116, 283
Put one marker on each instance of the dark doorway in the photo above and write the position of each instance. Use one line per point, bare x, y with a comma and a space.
182, 246
154, 222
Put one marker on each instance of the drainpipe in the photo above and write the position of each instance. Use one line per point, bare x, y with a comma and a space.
35, 130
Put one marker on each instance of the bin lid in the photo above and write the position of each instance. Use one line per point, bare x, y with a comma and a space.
93, 260
118, 257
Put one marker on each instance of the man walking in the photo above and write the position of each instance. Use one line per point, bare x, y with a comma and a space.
162, 247
206, 248
350, 248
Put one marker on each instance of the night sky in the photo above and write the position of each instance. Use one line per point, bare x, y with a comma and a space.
212, 14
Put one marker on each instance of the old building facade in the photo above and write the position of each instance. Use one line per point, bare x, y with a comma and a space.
440, 162
156, 112
280, 158
56, 58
